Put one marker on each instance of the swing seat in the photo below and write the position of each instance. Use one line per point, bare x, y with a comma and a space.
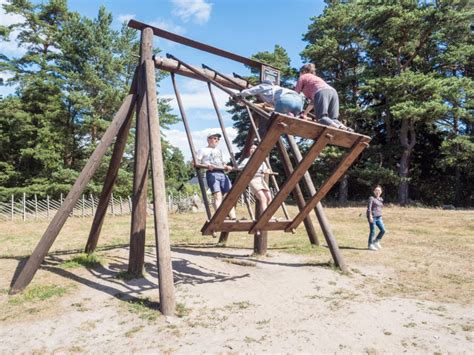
287, 125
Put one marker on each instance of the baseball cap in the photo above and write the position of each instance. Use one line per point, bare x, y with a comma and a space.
214, 134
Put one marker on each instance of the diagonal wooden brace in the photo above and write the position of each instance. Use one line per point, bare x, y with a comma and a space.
345, 163
277, 128
292, 181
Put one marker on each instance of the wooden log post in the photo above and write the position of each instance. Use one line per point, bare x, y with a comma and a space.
13, 208
36, 258
163, 251
260, 237
109, 182
140, 176
320, 214
297, 193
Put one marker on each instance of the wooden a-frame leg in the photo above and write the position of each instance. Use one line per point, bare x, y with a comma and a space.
49, 236
107, 188
140, 171
160, 210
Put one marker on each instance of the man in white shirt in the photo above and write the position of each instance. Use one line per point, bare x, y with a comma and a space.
217, 180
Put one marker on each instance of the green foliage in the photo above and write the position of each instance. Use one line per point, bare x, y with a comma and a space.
38, 293
69, 84
89, 261
403, 71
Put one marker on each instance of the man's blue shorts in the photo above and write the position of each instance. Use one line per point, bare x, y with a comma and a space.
218, 181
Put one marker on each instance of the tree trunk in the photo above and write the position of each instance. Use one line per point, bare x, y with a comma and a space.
343, 190
407, 140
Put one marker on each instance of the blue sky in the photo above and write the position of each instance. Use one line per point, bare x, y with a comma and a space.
243, 27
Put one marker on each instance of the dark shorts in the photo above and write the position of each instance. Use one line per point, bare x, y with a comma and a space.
218, 181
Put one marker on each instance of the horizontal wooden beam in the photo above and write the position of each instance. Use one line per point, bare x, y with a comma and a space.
244, 226
195, 44
311, 130
173, 66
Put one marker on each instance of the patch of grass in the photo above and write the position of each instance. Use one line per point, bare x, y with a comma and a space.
241, 305
89, 261
467, 327
182, 310
38, 293
145, 308
410, 325
131, 332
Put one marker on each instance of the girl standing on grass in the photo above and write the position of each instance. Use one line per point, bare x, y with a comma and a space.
374, 216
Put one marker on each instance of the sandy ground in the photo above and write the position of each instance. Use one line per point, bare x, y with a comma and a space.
232, 303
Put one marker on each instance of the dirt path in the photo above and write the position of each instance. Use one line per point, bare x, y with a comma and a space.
231, 303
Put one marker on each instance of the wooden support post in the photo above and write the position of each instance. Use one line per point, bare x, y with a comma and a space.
320, 214
33, 263
13, 207
109, 181
297, 193
121, 205
83, 209
192, 149
163, 251
223, 238
140, 176
260, 238
47, 206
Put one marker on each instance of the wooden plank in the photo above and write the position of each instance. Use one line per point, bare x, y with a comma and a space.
54, 227
345, 163
297, 193
311, 130
277, 128
292, 181
110, 178
245, 225
140, 174
194, 44
163, 249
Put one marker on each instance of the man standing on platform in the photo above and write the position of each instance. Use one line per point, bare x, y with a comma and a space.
217, 180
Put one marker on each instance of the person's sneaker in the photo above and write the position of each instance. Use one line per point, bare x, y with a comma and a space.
372, 247
377, 245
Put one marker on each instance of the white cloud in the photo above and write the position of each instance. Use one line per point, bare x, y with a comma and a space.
8, 19
195, 95
10, 48
179, 139
169, 26
197, 10
125, 17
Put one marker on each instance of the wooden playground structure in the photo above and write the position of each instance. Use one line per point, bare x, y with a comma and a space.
271, 129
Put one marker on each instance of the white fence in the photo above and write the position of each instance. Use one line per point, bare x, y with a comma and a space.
22, 209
